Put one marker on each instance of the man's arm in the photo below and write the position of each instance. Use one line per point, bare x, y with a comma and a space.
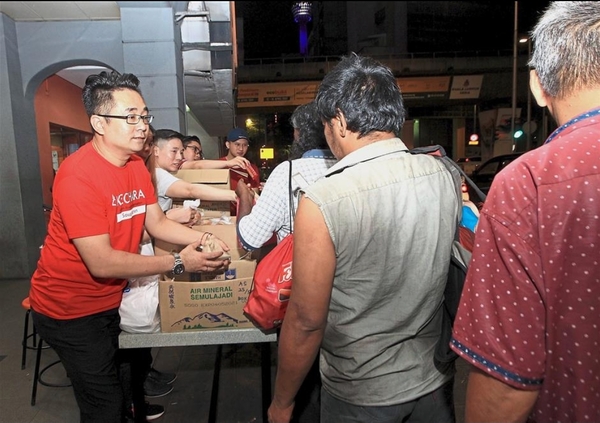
105, 262
240, 162
490, 400
246, 198
306, 316
184, 189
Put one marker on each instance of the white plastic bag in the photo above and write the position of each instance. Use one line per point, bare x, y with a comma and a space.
139, 306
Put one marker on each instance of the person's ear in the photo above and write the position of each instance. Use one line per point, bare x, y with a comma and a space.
97, 123
341, 125
536, 89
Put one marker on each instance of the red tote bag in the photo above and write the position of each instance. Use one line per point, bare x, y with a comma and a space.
272, 285
272, 282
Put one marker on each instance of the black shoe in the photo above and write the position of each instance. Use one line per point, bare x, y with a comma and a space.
155, 389
154, 411
162, 377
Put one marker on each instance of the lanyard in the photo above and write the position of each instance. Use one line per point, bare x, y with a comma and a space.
576, 119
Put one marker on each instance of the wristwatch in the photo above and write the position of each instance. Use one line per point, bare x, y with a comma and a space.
178, 267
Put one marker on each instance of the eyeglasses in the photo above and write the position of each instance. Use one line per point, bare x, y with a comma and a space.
196, 150
132, 119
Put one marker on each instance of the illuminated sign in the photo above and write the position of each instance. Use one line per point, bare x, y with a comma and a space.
267, 153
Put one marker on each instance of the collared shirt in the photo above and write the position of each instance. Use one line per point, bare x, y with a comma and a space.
271, 213
529, 309
391, 217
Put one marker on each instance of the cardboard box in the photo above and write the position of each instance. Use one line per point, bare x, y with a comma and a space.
196, 306
218, 178
238, 269
215, 177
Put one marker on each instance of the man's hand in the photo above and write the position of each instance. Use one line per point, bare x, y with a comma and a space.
196, 260
238, 161
184, 215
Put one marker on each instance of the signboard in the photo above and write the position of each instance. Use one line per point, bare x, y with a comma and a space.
276, 94
297, 93
465, 87
267, 153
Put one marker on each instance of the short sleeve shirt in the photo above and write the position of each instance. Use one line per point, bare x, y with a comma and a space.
164, 180
271, 213
91, 197
529, 309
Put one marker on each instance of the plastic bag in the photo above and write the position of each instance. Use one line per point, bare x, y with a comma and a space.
139, 306
272, 286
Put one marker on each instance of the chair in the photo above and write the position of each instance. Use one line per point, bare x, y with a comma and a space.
26, 335
38, 345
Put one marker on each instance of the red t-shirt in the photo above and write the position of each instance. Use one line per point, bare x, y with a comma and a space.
91, 197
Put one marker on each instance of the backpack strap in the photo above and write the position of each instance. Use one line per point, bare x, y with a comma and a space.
291, 194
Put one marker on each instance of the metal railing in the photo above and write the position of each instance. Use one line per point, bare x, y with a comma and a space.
297, 68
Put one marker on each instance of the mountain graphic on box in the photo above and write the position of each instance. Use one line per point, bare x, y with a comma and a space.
207, 320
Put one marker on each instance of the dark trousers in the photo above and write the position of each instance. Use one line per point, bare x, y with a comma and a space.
88, 348
438, 406
135, 364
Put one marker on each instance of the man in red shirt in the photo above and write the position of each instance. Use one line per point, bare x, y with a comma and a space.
237, 146
103, 198
528, 318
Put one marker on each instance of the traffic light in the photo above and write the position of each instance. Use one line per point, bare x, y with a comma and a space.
518, 129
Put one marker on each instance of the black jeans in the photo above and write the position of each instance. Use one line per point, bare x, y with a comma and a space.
88, 349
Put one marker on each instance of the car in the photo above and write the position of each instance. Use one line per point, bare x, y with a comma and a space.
484, 174
468, 164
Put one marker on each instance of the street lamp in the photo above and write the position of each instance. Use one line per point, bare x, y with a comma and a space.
514, 81
530, 128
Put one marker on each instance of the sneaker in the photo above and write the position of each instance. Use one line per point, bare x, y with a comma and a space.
162, 377
155, 389
154, 411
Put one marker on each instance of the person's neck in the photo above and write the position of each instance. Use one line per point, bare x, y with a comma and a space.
565, 109
111, 154
356, 143
230, 156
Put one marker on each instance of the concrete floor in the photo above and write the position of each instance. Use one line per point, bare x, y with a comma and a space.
239, 387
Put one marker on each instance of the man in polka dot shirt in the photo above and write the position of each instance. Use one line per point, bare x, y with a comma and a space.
528, 320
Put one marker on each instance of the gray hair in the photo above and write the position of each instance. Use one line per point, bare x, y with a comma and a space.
566, 55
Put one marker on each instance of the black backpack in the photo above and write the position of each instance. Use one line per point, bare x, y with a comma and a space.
459, 258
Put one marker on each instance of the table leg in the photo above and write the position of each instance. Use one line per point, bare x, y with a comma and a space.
265, 364
214, 395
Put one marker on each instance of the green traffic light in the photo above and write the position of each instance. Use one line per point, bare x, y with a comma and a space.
518, 133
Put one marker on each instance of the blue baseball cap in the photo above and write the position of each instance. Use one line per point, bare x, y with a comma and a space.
236, 134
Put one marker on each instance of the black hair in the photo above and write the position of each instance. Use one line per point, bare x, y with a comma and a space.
311, 131
97, 92
166, 134
190, 138
366, 92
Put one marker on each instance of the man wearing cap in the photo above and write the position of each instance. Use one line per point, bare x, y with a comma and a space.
237, 144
